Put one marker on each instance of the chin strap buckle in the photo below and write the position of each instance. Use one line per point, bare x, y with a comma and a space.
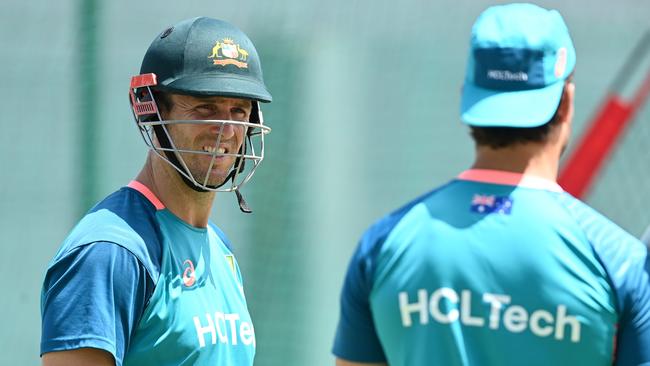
243, 206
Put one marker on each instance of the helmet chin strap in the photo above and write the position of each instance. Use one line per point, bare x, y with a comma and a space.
166, 144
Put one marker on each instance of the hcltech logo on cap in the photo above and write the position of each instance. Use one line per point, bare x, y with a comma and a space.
507, 75
227, 52
509, 68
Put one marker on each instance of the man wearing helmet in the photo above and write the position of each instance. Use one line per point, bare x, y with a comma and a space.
145, 278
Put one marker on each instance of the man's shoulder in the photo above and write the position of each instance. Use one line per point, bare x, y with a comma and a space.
123, 218
623, 255
596, 225
377, 233
220, 235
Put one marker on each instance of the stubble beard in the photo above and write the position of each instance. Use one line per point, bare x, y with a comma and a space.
199, 167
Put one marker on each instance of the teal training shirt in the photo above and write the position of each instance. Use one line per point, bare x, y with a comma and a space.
496, 268
136, 281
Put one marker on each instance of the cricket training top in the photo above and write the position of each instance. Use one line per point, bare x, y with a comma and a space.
136, 281
496, 268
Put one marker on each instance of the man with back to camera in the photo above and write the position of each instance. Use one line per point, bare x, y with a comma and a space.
500, 266
146, 278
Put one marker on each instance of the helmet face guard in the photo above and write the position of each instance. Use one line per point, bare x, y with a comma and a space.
156, 135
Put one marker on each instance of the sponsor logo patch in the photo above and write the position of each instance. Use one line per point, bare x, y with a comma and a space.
494, 312
189, 274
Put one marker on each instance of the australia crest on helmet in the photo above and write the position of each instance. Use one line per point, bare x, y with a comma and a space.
227, 52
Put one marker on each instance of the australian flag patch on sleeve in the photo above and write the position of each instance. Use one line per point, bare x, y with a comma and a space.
486, 204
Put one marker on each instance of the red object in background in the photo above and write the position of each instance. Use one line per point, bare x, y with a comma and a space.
603, 131
583, 165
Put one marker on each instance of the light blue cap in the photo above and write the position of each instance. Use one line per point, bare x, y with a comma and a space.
520, 56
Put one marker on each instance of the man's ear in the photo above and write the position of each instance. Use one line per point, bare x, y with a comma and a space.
565, 109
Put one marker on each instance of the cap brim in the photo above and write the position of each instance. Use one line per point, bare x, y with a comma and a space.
219, 84
526, 108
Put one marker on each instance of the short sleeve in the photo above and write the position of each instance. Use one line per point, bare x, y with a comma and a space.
93, 296
633, 340
356, 337
627, 264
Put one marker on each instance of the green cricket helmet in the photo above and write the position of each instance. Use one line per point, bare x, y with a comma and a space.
205, 56
202, 57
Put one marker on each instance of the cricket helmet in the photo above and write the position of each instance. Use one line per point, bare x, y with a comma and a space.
202, 57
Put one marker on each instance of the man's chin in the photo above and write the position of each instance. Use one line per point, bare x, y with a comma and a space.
216, 182
215, 185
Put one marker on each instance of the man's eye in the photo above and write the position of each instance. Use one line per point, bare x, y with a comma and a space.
204, 108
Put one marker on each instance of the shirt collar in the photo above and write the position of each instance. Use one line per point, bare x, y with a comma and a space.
510, 179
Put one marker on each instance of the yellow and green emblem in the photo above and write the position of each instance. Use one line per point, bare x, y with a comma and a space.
227, 52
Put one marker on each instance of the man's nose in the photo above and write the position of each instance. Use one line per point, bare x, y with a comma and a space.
226, 130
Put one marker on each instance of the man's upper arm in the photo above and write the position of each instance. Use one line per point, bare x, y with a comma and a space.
79, 357
93, 297
633, 343
342, 362
627, 263
356, 336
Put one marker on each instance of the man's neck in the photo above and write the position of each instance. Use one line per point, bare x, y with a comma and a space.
531, 159
166, 183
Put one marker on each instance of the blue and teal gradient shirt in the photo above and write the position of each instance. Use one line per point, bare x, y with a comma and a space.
138, 282
496, 268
